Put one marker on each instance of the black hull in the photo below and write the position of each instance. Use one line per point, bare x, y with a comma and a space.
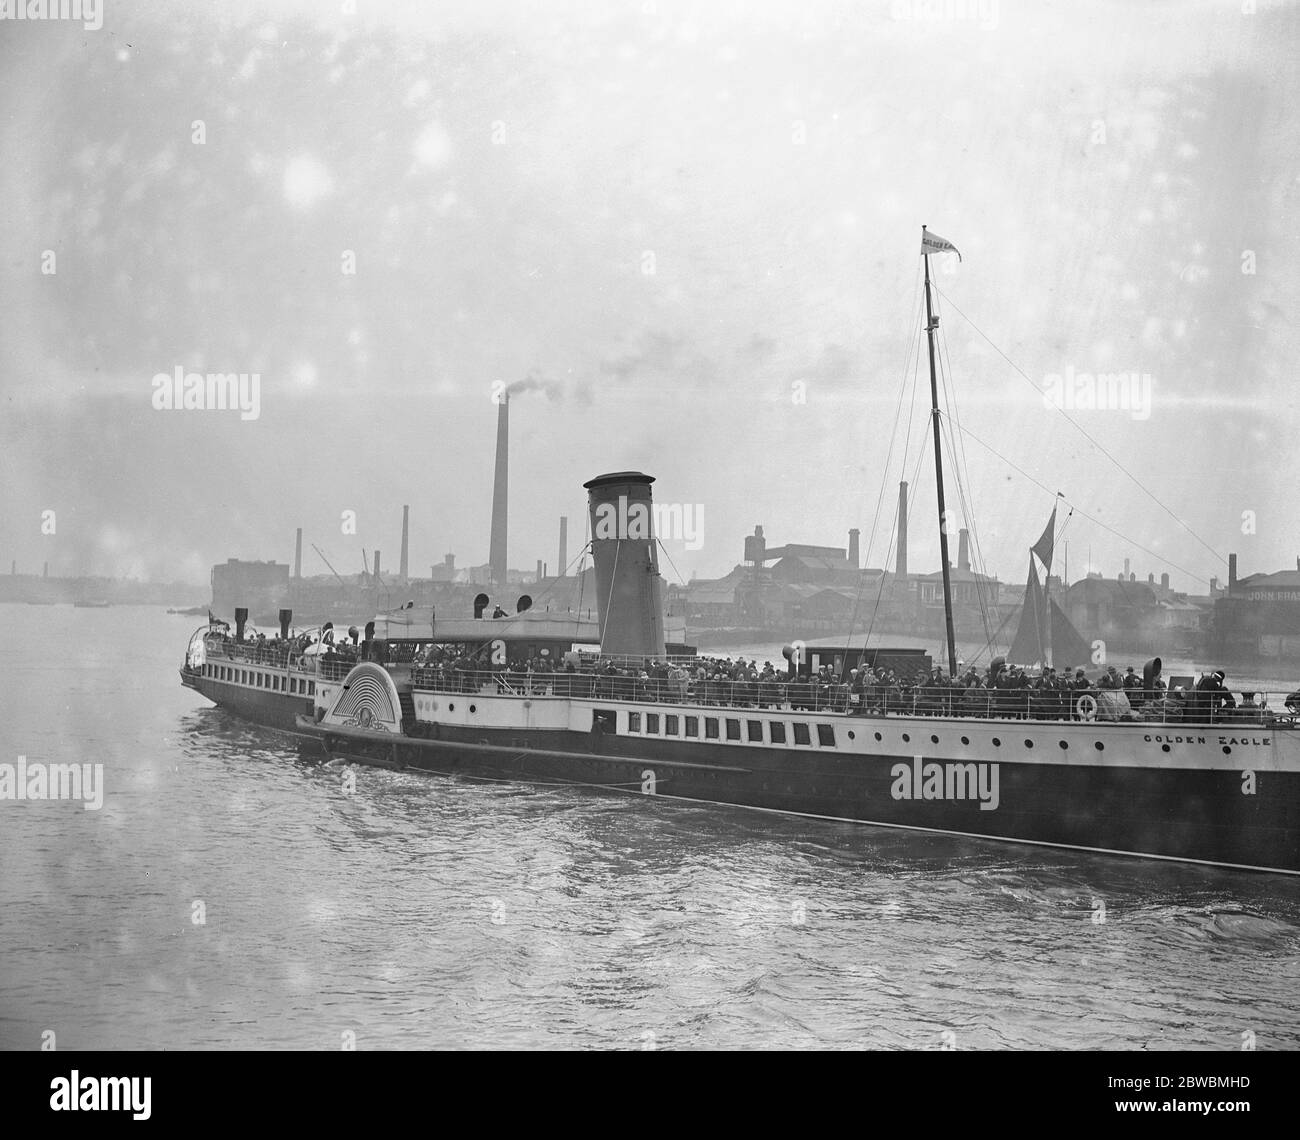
1164, 813
269, 708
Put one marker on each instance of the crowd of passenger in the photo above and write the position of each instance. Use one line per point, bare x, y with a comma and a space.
996, 690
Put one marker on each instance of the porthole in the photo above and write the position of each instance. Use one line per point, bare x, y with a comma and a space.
997, 743
451, 708
906, 739
473, 708
1164, 748
1099, 746
1227, 751
1029, 744
965, 739
878, 736
851, 736
934, 740
1065, 744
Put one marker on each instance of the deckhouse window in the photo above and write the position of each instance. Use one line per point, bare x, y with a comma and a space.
778, 731
711, 728
801, 735
634, 722
733, 729
755, 730
670, 724
692, 726
652, 723
826, 735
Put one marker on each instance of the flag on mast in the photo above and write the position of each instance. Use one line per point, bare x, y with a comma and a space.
933, 243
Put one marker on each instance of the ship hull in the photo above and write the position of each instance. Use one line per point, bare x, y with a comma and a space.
265, 707
1155, 811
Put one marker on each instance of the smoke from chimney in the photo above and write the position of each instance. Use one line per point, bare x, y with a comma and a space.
406, 527
500, 494
900, 566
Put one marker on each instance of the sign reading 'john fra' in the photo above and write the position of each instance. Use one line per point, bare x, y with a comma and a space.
922, 781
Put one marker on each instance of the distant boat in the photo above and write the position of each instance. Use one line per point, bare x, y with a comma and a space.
38, 602
97, 604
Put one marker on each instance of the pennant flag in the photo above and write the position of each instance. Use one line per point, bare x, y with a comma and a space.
1043, 547
933, 243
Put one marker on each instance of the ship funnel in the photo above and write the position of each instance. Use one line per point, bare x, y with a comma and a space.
480, 604
286, 616
241, 617
500, 495
524, 604
628, 588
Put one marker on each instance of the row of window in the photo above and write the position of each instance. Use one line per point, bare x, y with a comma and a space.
674, 724
300, 686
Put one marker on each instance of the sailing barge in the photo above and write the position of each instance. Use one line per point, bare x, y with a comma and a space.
1213, 786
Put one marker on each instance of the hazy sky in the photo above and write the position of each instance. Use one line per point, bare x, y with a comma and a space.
696, 224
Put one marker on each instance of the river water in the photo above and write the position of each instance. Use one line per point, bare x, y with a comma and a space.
233, 893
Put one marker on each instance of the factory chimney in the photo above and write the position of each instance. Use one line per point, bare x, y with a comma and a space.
564, 547
900, 568
1126, 570
1232, 572
854, 556
539, 570
628, 587
376, 564
963, 549
297, 555
406, 531
497, 550
1164, 581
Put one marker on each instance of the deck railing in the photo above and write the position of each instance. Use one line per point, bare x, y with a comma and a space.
799, 696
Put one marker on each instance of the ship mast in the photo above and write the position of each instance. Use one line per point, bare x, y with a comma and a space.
932, 323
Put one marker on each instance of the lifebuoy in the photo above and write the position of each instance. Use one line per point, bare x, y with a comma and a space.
1086, 707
